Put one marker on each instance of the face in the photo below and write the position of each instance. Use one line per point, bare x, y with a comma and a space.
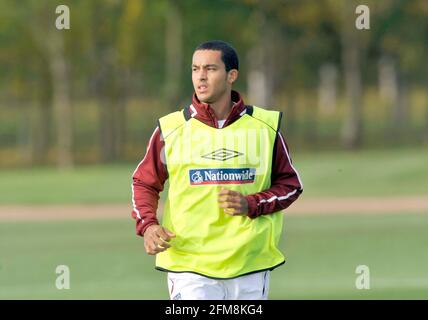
210, 79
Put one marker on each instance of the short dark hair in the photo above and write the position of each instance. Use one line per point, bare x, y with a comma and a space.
228, 53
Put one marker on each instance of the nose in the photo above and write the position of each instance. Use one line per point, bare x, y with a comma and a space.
202, 74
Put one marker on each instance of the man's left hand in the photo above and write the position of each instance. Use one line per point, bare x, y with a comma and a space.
233, 202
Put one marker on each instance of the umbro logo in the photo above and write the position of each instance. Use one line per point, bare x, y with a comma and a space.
222, 154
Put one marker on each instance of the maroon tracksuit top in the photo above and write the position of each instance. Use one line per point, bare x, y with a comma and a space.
150, 175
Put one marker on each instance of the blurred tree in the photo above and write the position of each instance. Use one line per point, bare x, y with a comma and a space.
127, 55
173, 53
392, 72
141, 50
308, 42
52, 45
103, 28
21, 63
61, 100
41, 119
260, 62
387, 78
351, 58
397, 35
327, 90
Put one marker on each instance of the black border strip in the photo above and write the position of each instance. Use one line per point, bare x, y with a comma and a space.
186, 113
279, 121
250, 113
182, 112
204, 275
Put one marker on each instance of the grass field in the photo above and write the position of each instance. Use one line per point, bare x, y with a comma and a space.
106, 260
339, 174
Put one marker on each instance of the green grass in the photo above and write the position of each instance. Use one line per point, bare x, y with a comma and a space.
89, 184
338, 174
107, 261
396, 172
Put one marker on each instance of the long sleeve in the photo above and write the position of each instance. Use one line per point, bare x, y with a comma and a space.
148, 181
286, 185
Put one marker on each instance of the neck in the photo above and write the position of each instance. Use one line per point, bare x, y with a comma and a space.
223, 106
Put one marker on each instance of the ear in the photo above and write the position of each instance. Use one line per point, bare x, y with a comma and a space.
232, 75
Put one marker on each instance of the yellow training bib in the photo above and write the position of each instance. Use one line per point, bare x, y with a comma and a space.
200, 160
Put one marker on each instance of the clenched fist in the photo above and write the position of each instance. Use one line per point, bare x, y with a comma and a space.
156, 239
233, 202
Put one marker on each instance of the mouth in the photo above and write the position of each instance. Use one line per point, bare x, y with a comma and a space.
202, 88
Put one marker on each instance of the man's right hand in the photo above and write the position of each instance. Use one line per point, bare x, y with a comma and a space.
156, 239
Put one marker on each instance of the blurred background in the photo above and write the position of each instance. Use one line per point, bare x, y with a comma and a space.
78, 106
